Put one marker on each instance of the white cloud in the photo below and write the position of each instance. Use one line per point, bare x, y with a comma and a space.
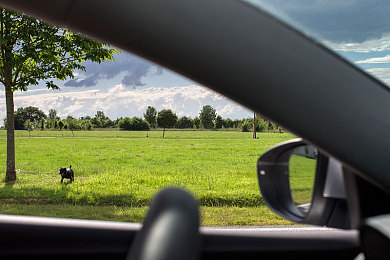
386, 81
30, 91
120, 101
379, 44
229, 109
385, 59
382, 73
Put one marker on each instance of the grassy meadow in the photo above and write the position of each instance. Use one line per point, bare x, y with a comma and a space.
302, 173
118, 172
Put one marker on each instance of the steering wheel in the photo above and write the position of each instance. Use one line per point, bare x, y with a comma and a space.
170, 230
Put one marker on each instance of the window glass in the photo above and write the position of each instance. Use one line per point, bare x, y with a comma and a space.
357, 30
98, 149
102, 126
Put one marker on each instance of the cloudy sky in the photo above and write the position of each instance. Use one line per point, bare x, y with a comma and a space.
358, 30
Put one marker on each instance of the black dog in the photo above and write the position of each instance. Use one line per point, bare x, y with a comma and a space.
67, 174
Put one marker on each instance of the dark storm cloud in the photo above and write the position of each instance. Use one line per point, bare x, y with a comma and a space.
334, 20
87, 82
131, 67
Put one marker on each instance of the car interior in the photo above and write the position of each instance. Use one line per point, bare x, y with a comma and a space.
264, 64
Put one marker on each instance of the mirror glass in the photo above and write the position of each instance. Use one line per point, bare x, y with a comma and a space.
302, 170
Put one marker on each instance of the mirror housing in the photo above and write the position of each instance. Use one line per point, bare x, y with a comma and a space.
328, 206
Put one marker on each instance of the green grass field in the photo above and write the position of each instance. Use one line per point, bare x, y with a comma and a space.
118, 172
302, 172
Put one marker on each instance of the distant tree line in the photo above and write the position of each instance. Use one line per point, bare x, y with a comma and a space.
34, 118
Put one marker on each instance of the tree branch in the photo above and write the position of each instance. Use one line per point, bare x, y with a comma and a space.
16, 74
2, 36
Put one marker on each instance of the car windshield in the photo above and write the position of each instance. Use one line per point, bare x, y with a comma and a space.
359, 30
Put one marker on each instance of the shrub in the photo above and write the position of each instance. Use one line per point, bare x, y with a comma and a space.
139, 124
125, 123
220, 122
184, 122
135, 124
246, 126
197, 122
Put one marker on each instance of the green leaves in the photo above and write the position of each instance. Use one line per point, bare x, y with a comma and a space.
166, 118
207, 116
32, 51
150, 115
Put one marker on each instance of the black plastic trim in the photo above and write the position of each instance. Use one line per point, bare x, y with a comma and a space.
49, 238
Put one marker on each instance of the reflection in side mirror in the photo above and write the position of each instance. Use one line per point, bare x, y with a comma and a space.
303, 185
302, 171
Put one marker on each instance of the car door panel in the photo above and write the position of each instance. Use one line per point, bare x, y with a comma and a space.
49, 238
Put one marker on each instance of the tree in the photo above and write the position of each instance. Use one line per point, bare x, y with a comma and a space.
96, 123
61, 124
28, 125
254, 125
246, 126
135, 124
237, 123
138, 124
150, 115
125, 123
32, 51
100, 115
101, 120
33, 114
86, 124
51, 122
197, 122
42, 124
166, 119
116, 122
219, 122
53, 114
207, 116
72, 124
184, 122
107, 123
229, 123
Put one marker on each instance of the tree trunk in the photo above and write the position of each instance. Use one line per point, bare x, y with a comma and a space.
254, 125
9, 97
7, 58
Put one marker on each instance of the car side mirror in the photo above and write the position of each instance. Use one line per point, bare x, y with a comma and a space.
303, 185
